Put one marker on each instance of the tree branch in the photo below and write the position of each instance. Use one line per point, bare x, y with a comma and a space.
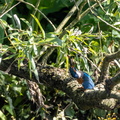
79, 17
105, 64
68, 16
110, 83
60, 79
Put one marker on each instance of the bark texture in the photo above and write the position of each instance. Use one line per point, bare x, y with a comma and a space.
104, 96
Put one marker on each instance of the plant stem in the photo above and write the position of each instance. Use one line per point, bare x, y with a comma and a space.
79, 16
91, 9
68, 16
9, 9
39, 12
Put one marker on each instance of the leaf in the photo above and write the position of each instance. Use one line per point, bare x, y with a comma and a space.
86, 63
17, 21
36, 74
10, 104
70, 112
60, 57
95, 45
33, 118
61, 115
116, 23
115, 33
99, 112
1, 34
91, 50
9, 57
32, 66
29, 25
67, 63
0, 58
4, 23
49, 6
20, 58
35, 49
18, 100
8, 108
53, 41
17, 89
2, 116
43, 50
43, 33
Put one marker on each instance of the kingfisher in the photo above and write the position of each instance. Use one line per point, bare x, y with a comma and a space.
82, 77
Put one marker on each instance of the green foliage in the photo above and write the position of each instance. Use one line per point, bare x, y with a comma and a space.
27, 44
10, 89
50, 6
2, 116
43, 33
88, 42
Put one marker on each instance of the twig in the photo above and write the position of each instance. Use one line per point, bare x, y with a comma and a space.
68, 16
80, 9
101, 18
56, 77
7, 36
77, 19
107, 23
86, 58
105, 64
100, 5
9, 9
4, 8
62, 24
46, 56
37, 5
39, 12
115, 80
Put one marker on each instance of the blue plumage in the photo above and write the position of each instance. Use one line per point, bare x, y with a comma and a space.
73, 72
87, 82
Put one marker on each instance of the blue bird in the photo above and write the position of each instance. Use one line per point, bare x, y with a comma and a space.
82, 77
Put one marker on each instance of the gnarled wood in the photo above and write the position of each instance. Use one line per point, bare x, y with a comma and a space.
61, 79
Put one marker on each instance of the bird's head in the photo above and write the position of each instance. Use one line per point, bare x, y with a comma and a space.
75, 73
